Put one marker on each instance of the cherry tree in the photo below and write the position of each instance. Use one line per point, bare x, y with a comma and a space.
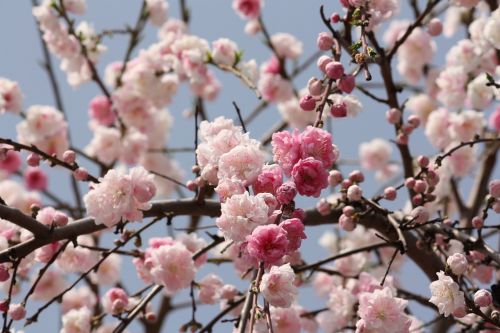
248, 206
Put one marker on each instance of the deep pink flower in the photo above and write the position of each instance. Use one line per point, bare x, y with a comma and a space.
115, 301
248, 9
100, 111
35, 179
268, 243
295, 233
346, 83
12, 162
269, 179
317, 143
286, 193
310, 177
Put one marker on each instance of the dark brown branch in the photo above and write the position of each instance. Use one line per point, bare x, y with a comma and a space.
17, 217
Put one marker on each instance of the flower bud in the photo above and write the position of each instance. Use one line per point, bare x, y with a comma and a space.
324, 41
457, 263
483, 298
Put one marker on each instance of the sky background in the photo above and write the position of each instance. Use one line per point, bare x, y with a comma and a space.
20, 56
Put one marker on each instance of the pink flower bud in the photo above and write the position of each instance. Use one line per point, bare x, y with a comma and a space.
417, 200
390, 193
494, 188
338, 110
33, 160
432, 178
4, 273
435, 27
60, 219
354, 193
345, 184
10, 161
272, 66
423, 161
4, 306
420, 186
457, 263
402, 139
324, 41
35, 179
335, 18
334, 70
322, 62
191, 185
150, 316
323, 207
17, 311
69, 156
410, 182
414, 121
286, 193
307, 103
477, 222
407, 129
357, 176
483, 298
393, 116
346, 223
448, 222
315, 87
334, 178
346, 83
348, 211
81, 174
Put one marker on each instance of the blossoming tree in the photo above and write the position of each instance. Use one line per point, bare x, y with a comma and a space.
244, 200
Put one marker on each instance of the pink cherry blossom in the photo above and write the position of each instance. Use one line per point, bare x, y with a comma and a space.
172, 266
224, 51
240, 215
77, 321
380, 310
17, 311
286, 150
446, 294
277, 286
317, 143
268, 243
269, 180
100, 111
210, 289
310, 177
127, 194
115, 301
295, 233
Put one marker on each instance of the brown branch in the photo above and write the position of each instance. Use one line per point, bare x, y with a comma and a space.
17, 217
52, 159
